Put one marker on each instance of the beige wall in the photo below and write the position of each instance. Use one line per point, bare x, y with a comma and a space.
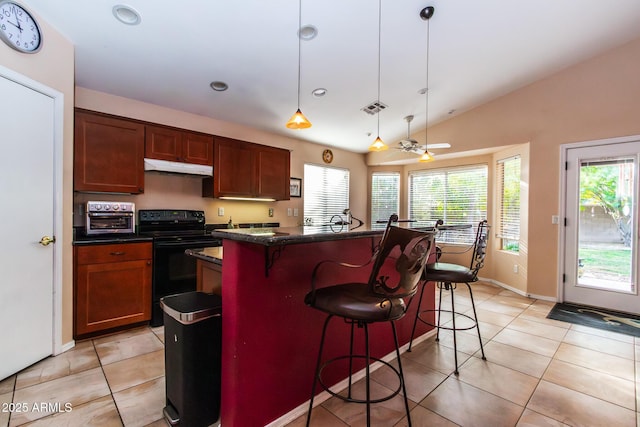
184, 192
53, 66
596, 99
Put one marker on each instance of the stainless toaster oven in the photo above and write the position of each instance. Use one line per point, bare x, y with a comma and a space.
110, 218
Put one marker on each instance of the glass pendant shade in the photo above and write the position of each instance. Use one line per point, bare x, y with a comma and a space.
426, 157
378, 145
298, 121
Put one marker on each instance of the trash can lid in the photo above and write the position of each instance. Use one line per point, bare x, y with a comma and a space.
192, 307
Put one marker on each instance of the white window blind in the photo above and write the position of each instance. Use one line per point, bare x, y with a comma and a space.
455, 195
509, 211
385, 195
326, 193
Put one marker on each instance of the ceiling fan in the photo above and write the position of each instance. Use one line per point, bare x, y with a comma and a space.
409, 145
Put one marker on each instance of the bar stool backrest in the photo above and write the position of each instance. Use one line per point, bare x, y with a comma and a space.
399, 262
480, 248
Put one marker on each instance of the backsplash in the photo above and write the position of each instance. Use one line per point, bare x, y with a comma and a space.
171, 191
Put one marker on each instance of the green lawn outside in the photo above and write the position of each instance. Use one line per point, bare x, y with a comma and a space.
608, 261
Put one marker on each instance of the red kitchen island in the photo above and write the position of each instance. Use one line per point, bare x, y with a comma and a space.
270, 338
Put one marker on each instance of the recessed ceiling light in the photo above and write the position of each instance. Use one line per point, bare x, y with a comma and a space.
319, 93
126, 14
219, 86
307, 32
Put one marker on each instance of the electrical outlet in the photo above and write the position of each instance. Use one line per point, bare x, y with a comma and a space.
295, 211
270, 212
288, 211
220, 211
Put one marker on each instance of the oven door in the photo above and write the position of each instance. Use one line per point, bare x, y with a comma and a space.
174, 272
110, 222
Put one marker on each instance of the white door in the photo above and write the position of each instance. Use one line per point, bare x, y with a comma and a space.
27, 215
601, 235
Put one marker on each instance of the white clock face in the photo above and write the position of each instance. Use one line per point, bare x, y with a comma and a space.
18, 29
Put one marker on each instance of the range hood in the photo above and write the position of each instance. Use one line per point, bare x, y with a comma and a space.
177, 167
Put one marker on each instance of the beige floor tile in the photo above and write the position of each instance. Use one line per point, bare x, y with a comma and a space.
513, 299
127, 346
494, 318
74, 389
603, 333
540, 317
638, 387
5, 399
499, 307
534, 419
537, 328
487, 331
578, 409
319, 417
163, 423
524, 361
385, 413
469, 406
524, 341
134, 371
591, 382
80, 358
507, 383
466, 343
99, 413
609, 364
142, 404
159, 331
422, 417
435, 356
637, 347
7, 385
605, 345
419, 379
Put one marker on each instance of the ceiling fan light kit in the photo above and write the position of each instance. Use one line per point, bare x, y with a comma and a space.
298, 120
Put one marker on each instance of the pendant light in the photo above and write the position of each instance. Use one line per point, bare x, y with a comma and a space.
378, 144
298, 120
426, 15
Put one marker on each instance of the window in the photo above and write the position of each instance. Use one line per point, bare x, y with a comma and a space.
455, 195
326, 193
385, 195
508, 171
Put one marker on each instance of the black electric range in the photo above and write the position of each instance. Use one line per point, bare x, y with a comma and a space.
173, 231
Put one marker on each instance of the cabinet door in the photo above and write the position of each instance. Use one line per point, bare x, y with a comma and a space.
163, 143
233, 170
273, 173
108, 154
112, 294
197, 148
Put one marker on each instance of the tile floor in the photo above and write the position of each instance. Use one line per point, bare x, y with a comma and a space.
538, 372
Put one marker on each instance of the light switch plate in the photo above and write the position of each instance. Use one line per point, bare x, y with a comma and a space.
271, 212
295, 211
288, 211
220, 211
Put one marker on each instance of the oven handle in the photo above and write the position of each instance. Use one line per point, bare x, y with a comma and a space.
187, 244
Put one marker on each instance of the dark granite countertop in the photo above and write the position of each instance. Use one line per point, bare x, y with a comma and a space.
306, 234
81, 239
213, 254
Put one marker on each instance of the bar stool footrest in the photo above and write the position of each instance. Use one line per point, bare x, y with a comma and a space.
351, 399
453, 313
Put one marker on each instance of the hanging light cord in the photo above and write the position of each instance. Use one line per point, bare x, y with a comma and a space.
379, 38
426, 94
299, 47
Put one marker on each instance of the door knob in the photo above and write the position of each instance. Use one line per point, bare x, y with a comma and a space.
46, 240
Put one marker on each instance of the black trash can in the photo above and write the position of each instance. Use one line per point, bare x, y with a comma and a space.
192, 336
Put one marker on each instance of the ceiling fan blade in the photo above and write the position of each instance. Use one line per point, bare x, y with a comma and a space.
440, 145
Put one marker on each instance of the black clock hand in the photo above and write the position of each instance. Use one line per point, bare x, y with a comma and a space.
17, 26
17, 20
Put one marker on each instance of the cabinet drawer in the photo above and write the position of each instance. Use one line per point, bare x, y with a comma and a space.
112, 253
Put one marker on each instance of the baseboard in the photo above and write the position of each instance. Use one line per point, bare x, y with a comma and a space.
518, 291
68, 346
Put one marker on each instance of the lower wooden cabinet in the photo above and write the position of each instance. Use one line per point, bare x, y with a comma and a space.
112, 286
209, 277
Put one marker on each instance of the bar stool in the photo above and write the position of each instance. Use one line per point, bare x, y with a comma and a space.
396, 270
447, 276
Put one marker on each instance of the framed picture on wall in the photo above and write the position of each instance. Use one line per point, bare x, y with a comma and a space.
296, 187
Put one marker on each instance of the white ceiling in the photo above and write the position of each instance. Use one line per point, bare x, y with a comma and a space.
478, 51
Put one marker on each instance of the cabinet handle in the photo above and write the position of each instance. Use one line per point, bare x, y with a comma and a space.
117, 253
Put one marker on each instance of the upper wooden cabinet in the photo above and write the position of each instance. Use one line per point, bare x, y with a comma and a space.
177, 145
108, 154
243, 169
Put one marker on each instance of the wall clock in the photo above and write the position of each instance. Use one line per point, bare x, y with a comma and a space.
327, 156
18, 29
